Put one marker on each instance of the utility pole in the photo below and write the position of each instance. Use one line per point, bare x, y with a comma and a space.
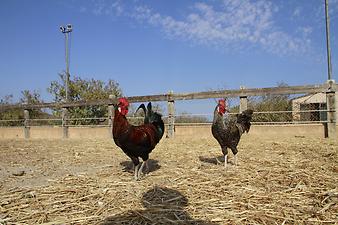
66, 31
328, 49
330, 128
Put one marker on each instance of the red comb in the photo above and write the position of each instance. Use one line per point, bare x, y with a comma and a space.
124, 101
221, 102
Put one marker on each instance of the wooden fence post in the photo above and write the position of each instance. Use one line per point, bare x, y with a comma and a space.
330, 131
26, 123
295, 111
171, 116
243, 101
111, 116
64, 123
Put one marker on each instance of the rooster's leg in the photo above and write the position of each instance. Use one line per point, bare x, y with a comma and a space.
136, 171
225, 153
235, 151
141, 168
147, 166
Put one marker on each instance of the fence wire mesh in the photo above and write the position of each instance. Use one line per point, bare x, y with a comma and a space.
268, 110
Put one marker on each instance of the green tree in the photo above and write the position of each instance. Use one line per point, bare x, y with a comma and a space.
34, 97
270, 103
82, 89
10, 117
188, 118
15, 117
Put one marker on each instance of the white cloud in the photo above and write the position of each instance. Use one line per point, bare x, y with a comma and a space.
296, 12
224, 24
103, 7
98, 7
305, 31
333, 9
235, 24
83, 9
117, 7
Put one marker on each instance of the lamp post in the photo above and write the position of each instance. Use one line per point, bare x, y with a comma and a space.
66, 30
327, 20
330, 126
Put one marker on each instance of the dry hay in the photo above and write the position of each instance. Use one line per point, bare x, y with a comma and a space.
279, 181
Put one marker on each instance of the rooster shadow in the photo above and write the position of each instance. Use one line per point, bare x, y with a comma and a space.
214, 160
153, 165
162, 206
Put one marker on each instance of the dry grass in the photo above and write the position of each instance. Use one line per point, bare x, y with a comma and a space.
278, 181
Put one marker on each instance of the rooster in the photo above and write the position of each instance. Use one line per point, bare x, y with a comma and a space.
136, 141
228, 132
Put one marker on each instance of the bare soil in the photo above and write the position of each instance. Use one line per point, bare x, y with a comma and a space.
279, 180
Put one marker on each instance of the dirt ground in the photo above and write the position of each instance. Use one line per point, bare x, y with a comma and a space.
279, 180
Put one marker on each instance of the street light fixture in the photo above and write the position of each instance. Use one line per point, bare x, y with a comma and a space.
66, 30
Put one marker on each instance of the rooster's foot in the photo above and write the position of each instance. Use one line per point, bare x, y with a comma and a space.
136, 175
235, 160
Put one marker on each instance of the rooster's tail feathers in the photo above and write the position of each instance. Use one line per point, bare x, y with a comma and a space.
248, 112
149, 107
142, 106
156, 119
146, 114
245, 118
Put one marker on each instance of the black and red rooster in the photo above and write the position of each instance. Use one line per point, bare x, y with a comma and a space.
228, 131
136, 141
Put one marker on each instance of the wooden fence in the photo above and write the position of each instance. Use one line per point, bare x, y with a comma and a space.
329, 88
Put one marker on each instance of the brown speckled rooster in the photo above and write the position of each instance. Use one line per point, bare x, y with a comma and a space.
228, 132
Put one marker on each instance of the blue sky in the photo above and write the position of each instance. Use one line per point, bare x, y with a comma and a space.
151, 47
